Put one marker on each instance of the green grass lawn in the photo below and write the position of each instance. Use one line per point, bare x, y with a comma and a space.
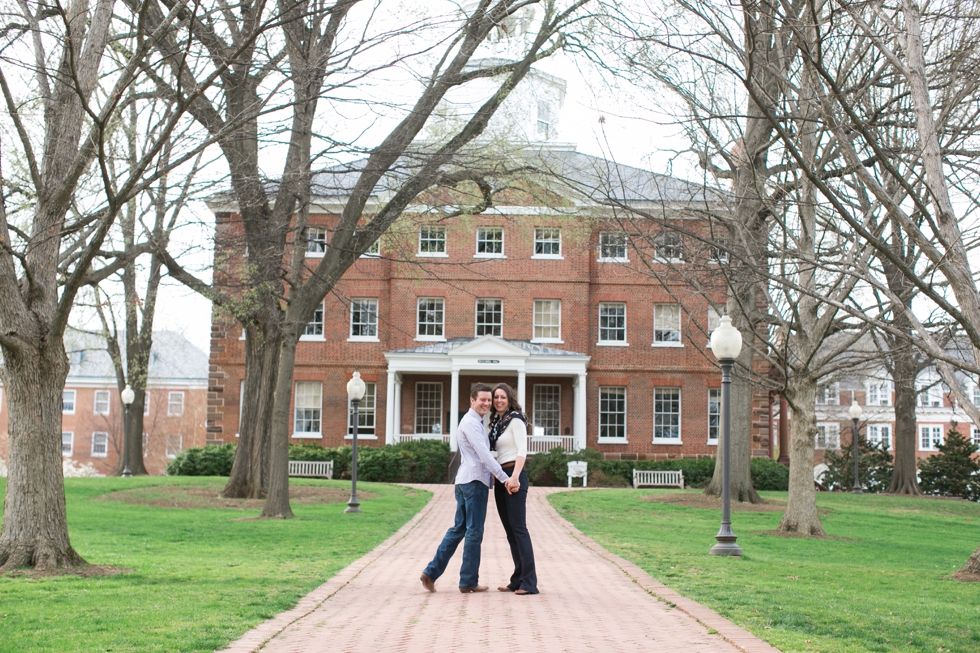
201, 575
880, 582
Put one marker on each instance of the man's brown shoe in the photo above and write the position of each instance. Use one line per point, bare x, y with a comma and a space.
478, 588
428, 583
504, 588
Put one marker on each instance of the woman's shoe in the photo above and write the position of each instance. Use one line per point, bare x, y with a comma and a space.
522, 593
504, 588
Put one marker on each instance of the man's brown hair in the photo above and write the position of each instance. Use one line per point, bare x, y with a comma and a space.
478, 388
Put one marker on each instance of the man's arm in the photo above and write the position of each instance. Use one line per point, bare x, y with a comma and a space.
481, 445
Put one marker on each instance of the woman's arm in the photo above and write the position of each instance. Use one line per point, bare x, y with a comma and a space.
520, 439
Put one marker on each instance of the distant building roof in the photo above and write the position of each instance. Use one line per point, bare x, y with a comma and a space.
173, 359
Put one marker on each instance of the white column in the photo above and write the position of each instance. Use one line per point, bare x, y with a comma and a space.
521, 389
390, 409
398, 408
453, 410
579, 421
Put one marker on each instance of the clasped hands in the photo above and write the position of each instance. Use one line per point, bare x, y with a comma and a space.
512, 485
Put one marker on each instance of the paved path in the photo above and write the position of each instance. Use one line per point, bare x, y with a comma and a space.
590, 600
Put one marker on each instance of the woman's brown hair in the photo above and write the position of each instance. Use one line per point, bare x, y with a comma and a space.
511, 397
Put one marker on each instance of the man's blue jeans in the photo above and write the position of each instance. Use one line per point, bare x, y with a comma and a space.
471, 515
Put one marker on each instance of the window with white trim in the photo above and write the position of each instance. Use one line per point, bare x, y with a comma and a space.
720, 255
365, 412
669, 247
489, 317
175, 404
101, 402
374, 251
930, 392
612, 247
308, 406
314, 328
878, 392
544, 120
68, 402
975, 436
364, 319
431, 316
975, 393
612, 322
432, 241
828, 436
67, 443
490, 242
829, 394
316, 241
666, 324
714, 320
547, 242
612, 413
146, 402
714, 415
930, 437
879, 434
547, 320
175, 444
667, 415
100, 444
546, 411
428, 408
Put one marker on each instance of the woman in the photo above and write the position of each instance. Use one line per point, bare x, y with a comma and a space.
508, 437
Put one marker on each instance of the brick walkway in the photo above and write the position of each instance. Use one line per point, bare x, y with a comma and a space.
590, 600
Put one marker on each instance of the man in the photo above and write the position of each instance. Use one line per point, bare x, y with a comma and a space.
472, 490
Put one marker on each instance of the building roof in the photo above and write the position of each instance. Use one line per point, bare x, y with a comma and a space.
173, 359
444, 347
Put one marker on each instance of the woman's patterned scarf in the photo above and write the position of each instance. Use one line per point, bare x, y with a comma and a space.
499, 424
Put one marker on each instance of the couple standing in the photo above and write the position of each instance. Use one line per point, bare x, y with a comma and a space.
508, 435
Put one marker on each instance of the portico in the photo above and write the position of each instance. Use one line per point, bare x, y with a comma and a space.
483, 359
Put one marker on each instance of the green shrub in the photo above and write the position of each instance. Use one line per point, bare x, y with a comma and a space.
769, 475
874, 467
212, 460
425, 461
953, 472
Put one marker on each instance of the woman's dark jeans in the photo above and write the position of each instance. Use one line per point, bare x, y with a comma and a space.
512, 509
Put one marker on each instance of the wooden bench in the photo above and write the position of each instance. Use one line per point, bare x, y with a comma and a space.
311, 468
658, 478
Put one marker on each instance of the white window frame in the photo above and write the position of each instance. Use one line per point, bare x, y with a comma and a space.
315, 415
614, 330
878, 392
660, 418
547, 239
374, 251
367, 412
822, 439
434, 427
935, 436
482, 240
316, 241
97, 435
536, 325
107, 402
432, 236
65, 410
675, 246
828, 394
548, 418
605, 439
928, 391
873, 434
605, 245
315, 328
714, 321
170, 453
175, 409
720, 255
661, 335
439, 326
714, 415
71, 444
488, 327
362, 306
975, 435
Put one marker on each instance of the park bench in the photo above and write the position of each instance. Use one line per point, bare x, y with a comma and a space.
311, 468
658, 478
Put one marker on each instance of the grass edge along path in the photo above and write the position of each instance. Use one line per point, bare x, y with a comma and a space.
201, 577
880, 582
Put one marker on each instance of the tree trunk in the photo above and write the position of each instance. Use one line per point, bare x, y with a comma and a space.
277, 503
970, 571
801, 507
904, 479
249, 477
35, 525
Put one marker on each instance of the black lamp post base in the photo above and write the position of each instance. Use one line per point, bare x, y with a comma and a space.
857, 490
726, 547
126, 473
353, 506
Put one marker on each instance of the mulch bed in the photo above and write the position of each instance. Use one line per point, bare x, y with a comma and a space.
196, 497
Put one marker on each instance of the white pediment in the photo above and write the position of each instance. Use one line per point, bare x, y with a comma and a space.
488, 347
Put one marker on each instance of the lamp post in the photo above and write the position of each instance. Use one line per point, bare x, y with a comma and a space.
355, 391
726, 343
127, 396
855, 413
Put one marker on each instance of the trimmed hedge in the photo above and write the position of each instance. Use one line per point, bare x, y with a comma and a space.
550, 469
769, 475
212, 460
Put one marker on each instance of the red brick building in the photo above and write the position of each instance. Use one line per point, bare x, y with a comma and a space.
591, 317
